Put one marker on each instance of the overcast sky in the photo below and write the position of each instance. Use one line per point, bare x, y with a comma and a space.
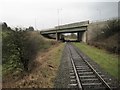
44, 13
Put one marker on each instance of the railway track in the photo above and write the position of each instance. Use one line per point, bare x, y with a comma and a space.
83, 75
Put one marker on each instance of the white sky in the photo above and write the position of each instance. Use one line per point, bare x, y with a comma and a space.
44, 13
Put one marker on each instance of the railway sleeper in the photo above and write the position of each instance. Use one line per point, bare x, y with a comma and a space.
81, 66
91, 84
85, 73
72, 73
84, 70
87, 76
87, 68
72, 77
80, 63
90, 81
73, 85
71, 68
94, 88
73, 81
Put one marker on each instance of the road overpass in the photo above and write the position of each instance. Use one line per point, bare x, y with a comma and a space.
79, 27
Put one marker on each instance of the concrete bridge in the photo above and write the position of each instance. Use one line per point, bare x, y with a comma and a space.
79, 27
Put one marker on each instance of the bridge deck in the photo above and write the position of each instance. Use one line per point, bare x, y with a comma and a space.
67, 28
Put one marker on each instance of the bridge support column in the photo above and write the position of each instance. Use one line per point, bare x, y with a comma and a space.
57, 36
79, 36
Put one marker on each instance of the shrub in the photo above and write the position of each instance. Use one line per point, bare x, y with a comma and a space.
109, 38
19, 48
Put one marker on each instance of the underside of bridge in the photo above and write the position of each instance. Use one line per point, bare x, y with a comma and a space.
80, 36
58, 32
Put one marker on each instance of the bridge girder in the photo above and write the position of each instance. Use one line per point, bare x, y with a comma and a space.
70, 30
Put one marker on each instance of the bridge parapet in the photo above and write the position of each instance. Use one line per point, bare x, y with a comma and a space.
73, 25
67, 28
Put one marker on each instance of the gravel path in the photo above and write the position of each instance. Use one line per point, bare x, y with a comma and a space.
62, 79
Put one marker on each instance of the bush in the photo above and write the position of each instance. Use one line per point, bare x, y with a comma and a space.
111, 28
109, 38
10, 54
31, 44
19, 49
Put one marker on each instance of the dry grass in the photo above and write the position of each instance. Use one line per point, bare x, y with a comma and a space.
45, 70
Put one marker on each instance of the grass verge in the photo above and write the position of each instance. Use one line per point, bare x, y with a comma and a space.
50, 67
107, 61
45, 70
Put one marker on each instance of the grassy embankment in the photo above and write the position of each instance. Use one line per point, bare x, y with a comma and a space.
48, 70
107, 61
105, 35
19, 50
44, 74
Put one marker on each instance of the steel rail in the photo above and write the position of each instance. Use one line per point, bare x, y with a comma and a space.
76, 74
100, 78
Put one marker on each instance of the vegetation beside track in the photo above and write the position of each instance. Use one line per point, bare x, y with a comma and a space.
19, 50
45, 70
106, 35
107, 61
50, 68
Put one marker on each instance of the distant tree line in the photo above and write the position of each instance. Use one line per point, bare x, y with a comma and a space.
5, 27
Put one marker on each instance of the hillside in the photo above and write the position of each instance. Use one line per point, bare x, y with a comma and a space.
105, 35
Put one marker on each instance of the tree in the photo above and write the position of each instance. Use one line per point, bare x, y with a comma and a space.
4, 26
73, 35
31, 28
